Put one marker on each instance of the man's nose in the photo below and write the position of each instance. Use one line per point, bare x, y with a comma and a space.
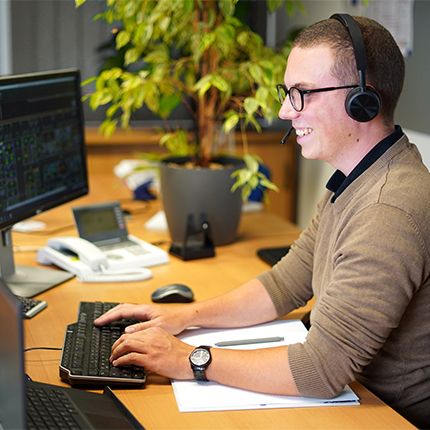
287, 111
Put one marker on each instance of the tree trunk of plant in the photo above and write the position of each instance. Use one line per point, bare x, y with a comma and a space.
206, 104
206, 128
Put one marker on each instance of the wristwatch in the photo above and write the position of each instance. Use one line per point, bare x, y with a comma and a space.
200, 359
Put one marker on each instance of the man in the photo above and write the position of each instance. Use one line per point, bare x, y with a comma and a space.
365, 256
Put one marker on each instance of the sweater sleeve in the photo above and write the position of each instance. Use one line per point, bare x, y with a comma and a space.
377, 267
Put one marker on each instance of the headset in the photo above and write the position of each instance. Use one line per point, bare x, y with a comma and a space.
363, 103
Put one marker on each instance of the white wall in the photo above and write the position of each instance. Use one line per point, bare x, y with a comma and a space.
422, 140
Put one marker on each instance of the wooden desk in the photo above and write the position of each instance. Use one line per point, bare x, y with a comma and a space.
155, 406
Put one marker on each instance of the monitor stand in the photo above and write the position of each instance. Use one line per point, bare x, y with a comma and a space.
26, 281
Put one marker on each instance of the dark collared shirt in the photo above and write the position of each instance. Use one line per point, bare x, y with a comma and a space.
339, 182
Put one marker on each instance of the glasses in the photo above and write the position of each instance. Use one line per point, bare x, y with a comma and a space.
296, 95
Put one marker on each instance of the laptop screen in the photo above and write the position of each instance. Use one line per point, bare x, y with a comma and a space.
12, 391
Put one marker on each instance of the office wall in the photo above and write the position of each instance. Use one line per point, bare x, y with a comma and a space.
413, 111
54, 34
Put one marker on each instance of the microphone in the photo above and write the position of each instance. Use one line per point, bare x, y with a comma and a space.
286, 135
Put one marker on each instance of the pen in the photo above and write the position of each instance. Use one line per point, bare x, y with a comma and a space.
249, 341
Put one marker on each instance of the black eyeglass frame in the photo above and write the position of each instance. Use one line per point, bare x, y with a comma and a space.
283, 87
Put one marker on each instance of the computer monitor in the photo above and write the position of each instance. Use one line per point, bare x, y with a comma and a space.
42, 159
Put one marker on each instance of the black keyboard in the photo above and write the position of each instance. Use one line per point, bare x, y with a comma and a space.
49, 408
87, 348
31, 307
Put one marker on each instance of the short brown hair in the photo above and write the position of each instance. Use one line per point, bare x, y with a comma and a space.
385, 64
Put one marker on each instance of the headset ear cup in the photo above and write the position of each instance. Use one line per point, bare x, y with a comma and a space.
362, 106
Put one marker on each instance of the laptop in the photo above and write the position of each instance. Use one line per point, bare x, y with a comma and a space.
105, 226
25, 404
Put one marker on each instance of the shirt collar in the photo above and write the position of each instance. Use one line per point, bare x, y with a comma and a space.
339, 182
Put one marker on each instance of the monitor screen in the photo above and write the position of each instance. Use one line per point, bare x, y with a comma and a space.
42, 150
42, 153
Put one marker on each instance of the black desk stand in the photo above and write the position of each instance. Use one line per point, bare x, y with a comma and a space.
197, 242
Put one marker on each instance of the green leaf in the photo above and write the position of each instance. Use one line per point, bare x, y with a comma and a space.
227, 7
89, 80
269, 184
131, 56
108, 127
79, 2
220, 83
251, 163
251, 105
99, 98
164, 23
159, 55
251, 120
203, 85
203, 89
112, 110
122, 38
274, 4
231, 122
256, 72
168, 103
206, 41
243, 38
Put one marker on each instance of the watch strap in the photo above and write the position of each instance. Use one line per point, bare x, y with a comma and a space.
200, 374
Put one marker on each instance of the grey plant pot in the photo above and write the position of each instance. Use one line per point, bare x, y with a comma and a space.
201, 192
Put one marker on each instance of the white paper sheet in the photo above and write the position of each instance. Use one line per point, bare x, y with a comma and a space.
192, 396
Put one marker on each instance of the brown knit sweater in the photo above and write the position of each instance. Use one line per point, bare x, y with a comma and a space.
366, 259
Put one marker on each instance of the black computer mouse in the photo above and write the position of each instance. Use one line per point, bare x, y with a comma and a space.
173, 293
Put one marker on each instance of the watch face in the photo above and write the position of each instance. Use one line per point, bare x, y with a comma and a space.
200, 356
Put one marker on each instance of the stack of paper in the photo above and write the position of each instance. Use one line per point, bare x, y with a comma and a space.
211, 396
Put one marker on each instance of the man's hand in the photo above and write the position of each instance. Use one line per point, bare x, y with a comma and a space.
172, 318
156, 350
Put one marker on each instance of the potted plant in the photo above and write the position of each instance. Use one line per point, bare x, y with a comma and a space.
199, 54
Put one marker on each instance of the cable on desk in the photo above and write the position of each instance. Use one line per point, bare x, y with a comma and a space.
49, 348
47, 232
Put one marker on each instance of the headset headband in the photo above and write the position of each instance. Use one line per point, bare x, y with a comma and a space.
357, 44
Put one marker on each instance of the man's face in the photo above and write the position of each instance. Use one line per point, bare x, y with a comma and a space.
323, 128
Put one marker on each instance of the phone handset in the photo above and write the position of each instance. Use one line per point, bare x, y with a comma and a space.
86, 251
86, 261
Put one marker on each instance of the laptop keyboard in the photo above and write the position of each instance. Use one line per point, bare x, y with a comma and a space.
31, 307
87, 349
48, 408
